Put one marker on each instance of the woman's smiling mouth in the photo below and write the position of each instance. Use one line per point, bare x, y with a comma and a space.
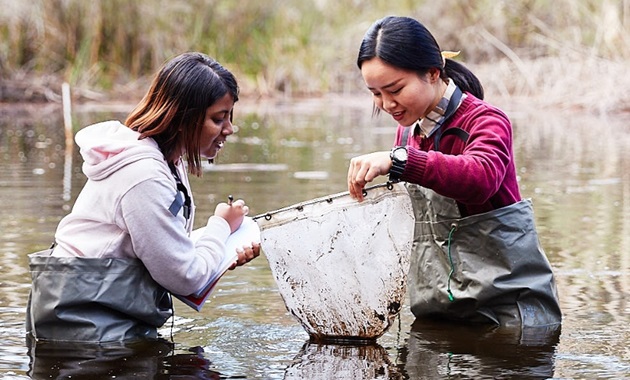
398, 115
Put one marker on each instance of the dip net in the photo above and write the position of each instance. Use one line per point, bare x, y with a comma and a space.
341, 265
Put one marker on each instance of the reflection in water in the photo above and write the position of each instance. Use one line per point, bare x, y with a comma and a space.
339, 361
443, 350
140, 360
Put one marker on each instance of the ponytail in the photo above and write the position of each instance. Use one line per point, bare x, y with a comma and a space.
463, 78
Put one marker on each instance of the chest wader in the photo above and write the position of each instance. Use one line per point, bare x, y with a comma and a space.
88, 300
487, 267
482, 268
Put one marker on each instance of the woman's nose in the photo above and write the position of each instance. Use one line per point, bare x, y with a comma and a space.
228, 129
389, 103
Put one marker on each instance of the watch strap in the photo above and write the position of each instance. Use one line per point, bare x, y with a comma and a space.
398, 167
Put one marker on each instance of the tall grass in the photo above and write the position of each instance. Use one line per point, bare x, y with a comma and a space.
296, 47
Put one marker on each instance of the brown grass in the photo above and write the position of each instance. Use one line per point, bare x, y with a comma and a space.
570, 53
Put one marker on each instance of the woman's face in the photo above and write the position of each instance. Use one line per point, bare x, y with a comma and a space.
216, 126
404, 94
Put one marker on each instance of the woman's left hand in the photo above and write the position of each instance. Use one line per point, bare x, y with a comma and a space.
246, 254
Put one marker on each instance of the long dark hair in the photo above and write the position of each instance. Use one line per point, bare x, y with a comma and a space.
406, 43
173, 110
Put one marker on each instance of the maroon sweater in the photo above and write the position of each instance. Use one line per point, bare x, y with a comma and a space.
480, 174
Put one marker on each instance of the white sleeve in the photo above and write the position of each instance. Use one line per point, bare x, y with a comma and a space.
161, 242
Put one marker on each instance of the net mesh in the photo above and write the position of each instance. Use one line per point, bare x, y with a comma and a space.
341, 265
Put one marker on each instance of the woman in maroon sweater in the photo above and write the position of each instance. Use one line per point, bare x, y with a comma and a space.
476, 255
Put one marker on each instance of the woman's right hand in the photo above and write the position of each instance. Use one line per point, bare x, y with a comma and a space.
364, 169
233, 213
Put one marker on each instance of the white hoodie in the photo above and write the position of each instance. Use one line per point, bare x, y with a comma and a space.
123, 211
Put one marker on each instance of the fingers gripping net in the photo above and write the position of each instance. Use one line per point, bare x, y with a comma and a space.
340, 265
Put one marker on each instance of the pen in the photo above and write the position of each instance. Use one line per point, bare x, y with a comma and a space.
230, 199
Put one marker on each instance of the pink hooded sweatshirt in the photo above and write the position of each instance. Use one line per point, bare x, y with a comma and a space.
123, 211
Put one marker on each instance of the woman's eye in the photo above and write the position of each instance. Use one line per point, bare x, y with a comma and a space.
224, 116
397, 91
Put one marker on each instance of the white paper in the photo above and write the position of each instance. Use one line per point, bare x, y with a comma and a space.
245, 235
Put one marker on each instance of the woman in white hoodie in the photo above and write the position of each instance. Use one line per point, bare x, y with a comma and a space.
126, 245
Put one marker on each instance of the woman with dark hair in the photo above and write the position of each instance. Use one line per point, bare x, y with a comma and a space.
476, 255
126, 244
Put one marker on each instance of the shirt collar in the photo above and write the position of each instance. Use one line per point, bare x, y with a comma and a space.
435, 118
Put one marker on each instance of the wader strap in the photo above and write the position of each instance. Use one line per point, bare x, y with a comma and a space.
439, 133
178, 202
463, 135
450, 110
405, 136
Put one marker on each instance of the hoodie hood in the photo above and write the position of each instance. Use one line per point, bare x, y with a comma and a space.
108, 146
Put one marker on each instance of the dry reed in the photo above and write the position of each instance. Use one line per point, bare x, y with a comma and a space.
570, 52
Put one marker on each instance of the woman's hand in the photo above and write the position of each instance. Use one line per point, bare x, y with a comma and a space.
246, 254
364, 169
233, 213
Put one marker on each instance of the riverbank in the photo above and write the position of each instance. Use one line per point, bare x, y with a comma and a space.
590, 85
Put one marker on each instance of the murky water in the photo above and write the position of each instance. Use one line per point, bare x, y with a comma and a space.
575, 168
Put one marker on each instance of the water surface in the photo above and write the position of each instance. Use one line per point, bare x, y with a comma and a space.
575, 167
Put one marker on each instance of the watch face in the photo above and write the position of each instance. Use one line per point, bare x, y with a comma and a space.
400, 154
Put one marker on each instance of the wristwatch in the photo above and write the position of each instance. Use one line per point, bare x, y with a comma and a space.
399, 159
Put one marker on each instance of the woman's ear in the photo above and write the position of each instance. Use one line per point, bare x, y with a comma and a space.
434, 75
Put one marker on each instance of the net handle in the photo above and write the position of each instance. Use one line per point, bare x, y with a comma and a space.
329, 198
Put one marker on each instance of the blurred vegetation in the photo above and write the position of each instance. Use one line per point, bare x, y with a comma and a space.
299, 47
